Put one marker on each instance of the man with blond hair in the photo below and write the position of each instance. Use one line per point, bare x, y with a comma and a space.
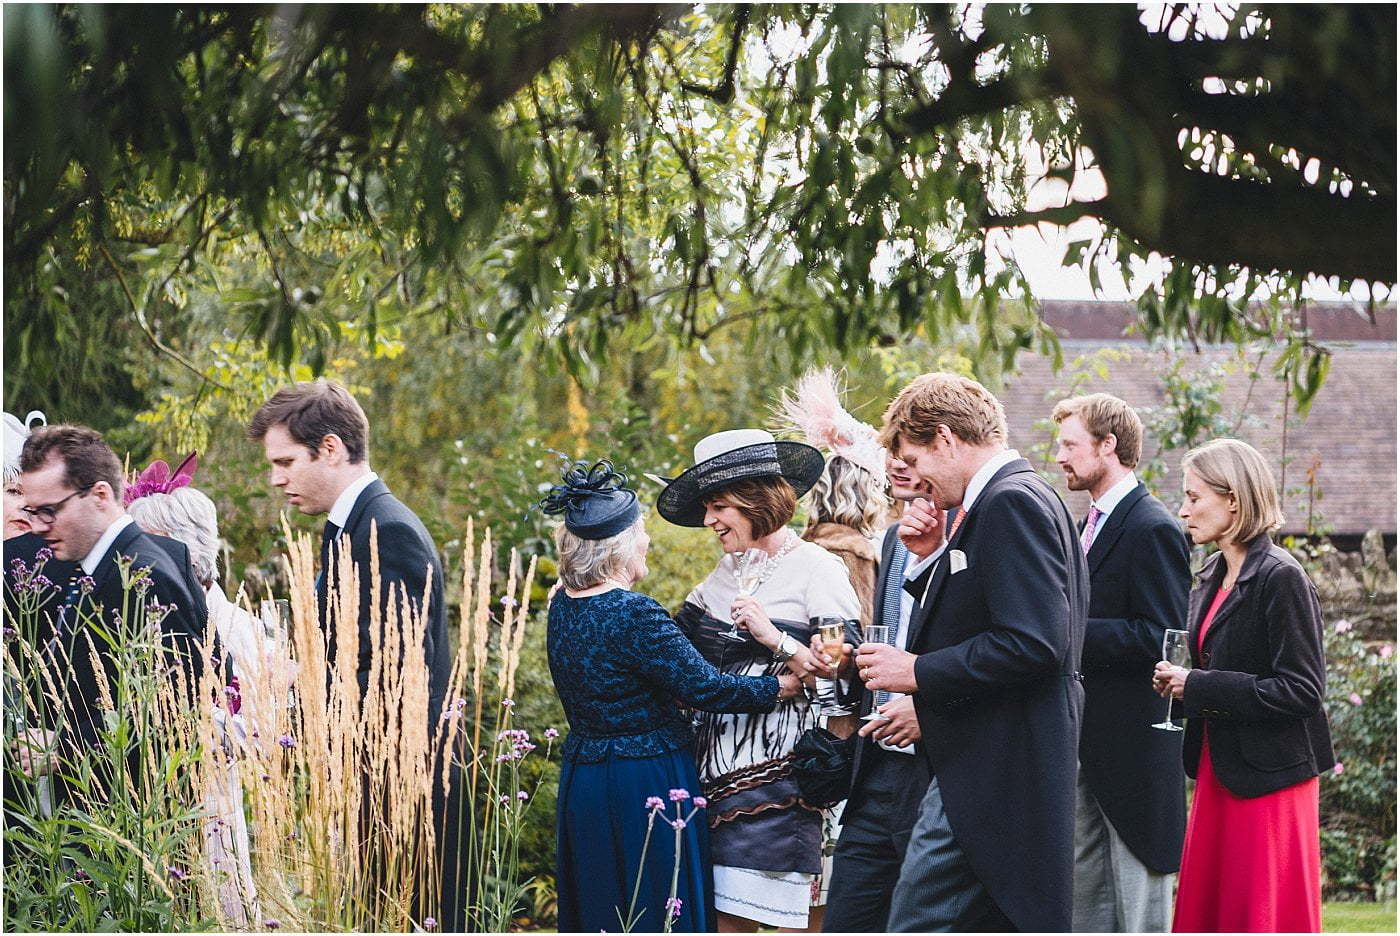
992, 666
1131, 816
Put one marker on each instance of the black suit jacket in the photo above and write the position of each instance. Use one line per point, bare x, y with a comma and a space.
1139, 575
1260, 680
182, 629
406, 555
999, 699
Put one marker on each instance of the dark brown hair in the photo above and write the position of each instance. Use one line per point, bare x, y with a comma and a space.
312, 411
767, 502
86, 458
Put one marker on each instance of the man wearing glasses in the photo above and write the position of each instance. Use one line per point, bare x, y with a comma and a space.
72, 484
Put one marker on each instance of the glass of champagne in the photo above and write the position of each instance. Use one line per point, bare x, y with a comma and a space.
1176, 650
876, 633
748, 566
833, 634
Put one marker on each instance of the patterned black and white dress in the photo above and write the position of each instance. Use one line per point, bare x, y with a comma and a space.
765, 841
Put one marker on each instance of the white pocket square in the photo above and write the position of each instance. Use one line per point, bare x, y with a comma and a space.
957, 561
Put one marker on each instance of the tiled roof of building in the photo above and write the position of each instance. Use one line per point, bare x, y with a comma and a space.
1347, 441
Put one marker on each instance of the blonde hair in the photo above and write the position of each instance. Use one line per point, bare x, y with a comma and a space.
1234, 468
967, 408
584, 563
847, 494
1104, 415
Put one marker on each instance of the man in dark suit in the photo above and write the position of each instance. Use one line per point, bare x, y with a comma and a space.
993, 664
1131, 818
888, 777
72, 483
316, 438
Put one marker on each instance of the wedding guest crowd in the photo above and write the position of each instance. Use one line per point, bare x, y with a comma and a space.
987, 679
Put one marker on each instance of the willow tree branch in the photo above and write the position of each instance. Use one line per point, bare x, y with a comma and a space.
155, 341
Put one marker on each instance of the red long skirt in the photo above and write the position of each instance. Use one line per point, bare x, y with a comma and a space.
1249, 865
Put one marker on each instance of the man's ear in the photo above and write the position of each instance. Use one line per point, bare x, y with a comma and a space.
1111, 441
332, 448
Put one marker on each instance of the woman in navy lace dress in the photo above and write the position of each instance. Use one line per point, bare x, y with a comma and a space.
623, 670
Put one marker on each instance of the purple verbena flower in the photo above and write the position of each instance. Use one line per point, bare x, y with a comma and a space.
551, 733
509, 602
678, 794
1355, 699
43, 555
177, 874
1337, 768
673, 907
287, 741
700, 802
272, 923
86, 585
18, 568
429, 923
678, 824
41, 581
521, 795
655, 802
508, 703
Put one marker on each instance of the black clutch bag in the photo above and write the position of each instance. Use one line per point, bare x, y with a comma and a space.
821, 765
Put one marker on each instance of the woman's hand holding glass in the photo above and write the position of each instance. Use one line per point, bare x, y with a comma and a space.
746, 612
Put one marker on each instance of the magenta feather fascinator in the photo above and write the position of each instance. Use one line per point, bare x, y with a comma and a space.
159, 479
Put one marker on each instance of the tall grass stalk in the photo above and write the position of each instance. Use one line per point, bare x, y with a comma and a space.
338, 783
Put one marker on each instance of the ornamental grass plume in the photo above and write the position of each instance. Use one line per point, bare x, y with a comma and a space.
339, 783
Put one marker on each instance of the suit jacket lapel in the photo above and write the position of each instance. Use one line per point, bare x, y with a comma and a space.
371, 491
1242, 589
941, 570
1113, 528
107, 565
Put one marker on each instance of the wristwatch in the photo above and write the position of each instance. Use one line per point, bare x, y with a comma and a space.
787, 649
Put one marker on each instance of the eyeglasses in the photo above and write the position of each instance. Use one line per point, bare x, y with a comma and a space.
49, 512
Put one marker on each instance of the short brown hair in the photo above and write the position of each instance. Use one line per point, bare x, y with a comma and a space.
1104, 415
310, 412
768, 502
967, 408
87, 458
1229, 466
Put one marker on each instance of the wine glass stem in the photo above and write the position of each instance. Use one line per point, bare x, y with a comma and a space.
1169, 709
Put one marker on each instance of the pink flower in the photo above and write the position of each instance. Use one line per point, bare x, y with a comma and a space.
1386, 651
272, 923
429, 923
1355, 699
509, 602
679, 794
678, 824
521, 795
287, 741
673, 907
551, 733
654, 802
1337, 768
1342, 626
508, 703
700, 802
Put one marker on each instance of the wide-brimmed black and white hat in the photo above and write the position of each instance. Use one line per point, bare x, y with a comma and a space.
735, 455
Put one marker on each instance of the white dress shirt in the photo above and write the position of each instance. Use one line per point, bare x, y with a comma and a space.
340, 510
104, 543
1111, 499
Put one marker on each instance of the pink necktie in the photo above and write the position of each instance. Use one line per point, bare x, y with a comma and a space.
1086, 539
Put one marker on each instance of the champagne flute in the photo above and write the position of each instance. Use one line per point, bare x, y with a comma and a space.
1176, 650
748, 566
876, 633
833, 634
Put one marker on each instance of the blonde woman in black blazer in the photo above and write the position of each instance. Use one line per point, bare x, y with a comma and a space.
1256, 734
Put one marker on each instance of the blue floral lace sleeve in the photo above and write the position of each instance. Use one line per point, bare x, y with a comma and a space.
622, 670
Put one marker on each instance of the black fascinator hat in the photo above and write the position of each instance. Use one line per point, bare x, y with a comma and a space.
595, 502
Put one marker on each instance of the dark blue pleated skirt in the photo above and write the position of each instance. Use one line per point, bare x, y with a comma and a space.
602, 822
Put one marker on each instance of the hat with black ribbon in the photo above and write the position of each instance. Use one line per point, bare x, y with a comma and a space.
595, 502
736, 455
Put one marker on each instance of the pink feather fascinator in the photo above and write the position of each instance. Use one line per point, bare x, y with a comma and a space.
813, 408
159, 479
